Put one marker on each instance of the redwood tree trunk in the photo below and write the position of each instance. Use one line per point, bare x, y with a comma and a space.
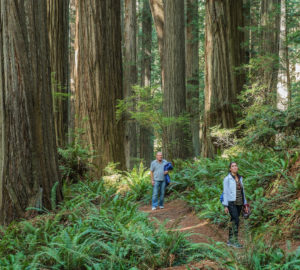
157, 10
130, 78
29, 166
98, 79
146, 44
283, 86
71, 103
58, 31
192, 71
223, 53
174, 99
247, 29
146, 134
270, 24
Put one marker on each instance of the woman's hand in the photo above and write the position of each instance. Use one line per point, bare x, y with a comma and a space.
226, 210
246, 209
166, 172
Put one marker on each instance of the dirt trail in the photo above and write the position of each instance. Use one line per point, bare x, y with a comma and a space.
181, 217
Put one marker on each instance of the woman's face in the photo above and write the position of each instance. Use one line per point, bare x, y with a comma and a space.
233, 168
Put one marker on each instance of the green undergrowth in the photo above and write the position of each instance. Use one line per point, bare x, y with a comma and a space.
271, 182
268, 186
99, 226
272, 188
95, 228
135, 184
256, 255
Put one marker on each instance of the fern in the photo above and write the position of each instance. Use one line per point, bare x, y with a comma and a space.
53, 195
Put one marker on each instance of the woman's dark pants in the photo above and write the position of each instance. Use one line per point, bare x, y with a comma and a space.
235, 211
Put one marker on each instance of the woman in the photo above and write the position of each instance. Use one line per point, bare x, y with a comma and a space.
234, 200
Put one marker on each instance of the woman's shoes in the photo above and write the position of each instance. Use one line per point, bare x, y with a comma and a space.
238, 245
234, 244
230, 244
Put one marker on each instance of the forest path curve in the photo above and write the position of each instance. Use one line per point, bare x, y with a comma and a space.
180, 216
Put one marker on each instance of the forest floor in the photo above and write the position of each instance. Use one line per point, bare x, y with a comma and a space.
177, 215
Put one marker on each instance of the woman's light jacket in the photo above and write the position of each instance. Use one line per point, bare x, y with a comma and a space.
229, 189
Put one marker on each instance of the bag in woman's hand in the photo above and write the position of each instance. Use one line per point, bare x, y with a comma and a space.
246, 214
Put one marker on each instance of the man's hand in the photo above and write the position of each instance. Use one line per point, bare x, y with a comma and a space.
152, 177
226, 210
166, 172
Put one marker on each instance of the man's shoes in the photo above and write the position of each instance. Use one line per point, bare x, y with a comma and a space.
153, 208
161, 207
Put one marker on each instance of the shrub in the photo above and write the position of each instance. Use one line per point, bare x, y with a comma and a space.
74, 160
96, 229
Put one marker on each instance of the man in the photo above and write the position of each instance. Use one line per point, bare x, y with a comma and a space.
158, 173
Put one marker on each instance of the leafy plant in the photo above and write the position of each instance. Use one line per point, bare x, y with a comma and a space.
145, 106
138, 181
95, 229
74, 159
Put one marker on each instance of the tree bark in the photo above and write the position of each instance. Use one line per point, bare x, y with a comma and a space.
283, 84
130, 78
175, 141
71, 103
223, 54
146, 134
254, 36
157, 10
146, 45
192, 72
58, 31
247, 29
29, 167
98, 80
270, 24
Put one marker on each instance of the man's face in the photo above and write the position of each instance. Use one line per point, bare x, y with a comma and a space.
159, 156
